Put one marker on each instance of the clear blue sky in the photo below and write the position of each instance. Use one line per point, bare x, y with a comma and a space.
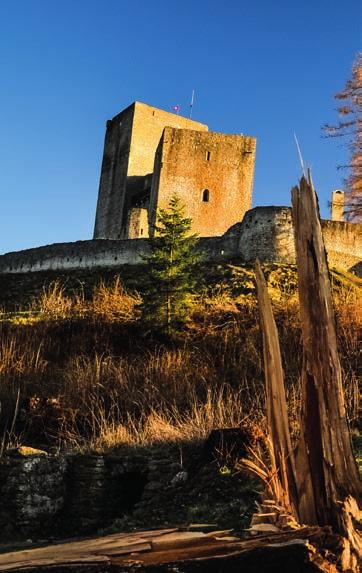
261, 67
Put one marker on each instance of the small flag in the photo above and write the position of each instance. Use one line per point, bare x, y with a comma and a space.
176, 108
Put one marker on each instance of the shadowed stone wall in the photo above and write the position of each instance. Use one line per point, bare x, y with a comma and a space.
44, 495
113, 179
32, 491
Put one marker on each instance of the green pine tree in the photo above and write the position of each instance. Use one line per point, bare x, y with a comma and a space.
171, 269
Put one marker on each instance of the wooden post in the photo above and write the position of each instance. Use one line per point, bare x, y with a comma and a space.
276, 404
326, 469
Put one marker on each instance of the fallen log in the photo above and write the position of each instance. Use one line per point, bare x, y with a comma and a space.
177, 550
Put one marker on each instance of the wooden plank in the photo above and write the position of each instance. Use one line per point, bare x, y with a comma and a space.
219, 533
123, 542
219, 549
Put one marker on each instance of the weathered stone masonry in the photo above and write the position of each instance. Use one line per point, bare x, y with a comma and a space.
265, 232
212, 174
150, 154
44, 495
130, 144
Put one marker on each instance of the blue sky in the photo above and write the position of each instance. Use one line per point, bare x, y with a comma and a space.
261, 67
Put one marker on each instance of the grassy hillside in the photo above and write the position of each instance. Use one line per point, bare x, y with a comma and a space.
78, 370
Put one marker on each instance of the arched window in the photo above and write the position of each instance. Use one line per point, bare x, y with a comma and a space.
206, 195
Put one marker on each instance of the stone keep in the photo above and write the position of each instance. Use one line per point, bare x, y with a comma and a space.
150, 154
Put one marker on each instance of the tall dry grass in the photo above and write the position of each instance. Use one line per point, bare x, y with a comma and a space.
110, 302
86, 376
111, 427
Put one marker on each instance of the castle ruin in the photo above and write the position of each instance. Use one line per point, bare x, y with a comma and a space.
150, 155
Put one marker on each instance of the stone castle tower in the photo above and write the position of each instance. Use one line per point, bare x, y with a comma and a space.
150, 154
337, 205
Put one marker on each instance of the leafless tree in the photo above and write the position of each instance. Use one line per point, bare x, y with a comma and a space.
350, 127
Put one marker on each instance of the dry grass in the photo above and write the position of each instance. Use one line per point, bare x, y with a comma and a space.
53, 302
261, 462
87, 377
112, 303
16, 360
112, 428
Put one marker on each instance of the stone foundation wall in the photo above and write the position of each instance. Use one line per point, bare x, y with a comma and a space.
32, 491
44, 496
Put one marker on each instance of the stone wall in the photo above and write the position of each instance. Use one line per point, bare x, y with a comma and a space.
32, 492
113, 179
56, 495
148, 125
265, 232
343, 243
46, 496
212, 173
77, 255
137, 223
97, 254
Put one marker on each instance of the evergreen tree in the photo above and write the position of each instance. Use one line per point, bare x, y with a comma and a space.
171, 272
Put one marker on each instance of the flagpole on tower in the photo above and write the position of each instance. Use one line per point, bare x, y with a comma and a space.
192, 103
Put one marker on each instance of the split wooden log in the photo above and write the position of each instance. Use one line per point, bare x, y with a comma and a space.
326, 468
326, 488
167, 551
276, 404
326, 458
